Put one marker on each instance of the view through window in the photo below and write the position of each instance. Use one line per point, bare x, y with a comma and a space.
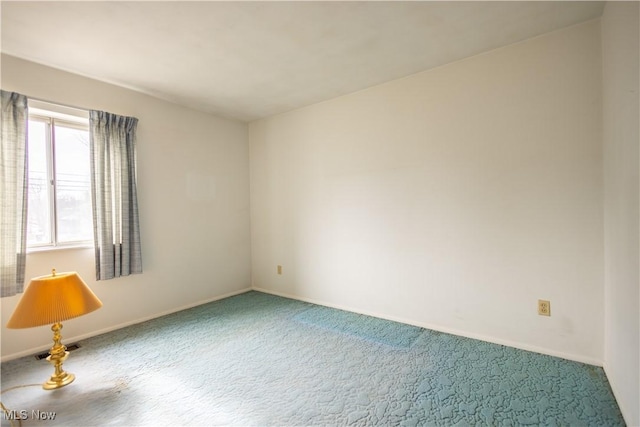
59, 194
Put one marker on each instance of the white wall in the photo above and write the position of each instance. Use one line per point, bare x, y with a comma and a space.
620, 47
194, 208
454, 198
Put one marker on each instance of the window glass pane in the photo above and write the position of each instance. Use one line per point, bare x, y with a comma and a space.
39, 207
73, 195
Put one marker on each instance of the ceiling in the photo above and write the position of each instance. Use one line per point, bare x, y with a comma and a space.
249, 60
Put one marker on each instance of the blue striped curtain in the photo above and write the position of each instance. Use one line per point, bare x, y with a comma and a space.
114, 195
13, 193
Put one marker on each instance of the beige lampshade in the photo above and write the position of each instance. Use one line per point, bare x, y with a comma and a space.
52, 299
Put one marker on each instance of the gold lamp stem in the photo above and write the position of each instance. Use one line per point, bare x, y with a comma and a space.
57, 355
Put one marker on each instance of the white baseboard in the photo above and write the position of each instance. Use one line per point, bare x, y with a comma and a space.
439, 328
69, 340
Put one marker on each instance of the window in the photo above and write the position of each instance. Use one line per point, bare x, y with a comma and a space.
59, 193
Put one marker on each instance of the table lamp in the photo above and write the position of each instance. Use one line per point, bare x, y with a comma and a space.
50, 300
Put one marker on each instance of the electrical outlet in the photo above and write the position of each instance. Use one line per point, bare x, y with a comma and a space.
279, 269
544, 308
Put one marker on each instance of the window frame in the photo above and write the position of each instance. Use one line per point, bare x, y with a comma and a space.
56, 115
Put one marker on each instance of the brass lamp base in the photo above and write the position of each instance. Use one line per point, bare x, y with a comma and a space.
57, 381
57, 355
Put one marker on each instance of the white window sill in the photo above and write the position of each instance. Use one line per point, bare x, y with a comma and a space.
40, 249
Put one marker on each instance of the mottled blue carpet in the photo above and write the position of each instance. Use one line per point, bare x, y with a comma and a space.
256, 359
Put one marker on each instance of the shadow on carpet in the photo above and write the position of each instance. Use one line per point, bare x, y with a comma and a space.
369, 328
